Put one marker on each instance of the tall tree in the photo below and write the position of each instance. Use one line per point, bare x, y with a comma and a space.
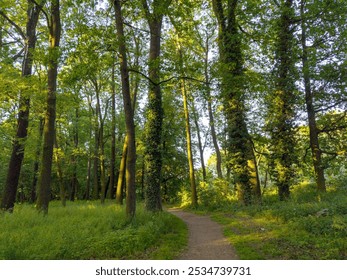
194, 196
281, 111
311, 114
240, 149
209, 106
134, 81
129, 115
15, 164
154, 120
44, 185
111, 189
200, 145
121, 173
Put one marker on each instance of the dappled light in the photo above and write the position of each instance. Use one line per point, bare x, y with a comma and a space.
112, 112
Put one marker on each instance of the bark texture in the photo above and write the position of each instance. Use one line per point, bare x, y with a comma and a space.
44, 185
129, 116
154, 120
240, 157
17, 155
281, 111
314, 141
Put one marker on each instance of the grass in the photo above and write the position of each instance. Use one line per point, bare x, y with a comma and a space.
297, 229
88, 230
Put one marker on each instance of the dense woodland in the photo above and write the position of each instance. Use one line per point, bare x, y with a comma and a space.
171, 100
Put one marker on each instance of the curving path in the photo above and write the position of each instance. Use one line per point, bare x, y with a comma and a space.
206, 239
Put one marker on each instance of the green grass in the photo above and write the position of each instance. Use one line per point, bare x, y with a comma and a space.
289, 230
88, 230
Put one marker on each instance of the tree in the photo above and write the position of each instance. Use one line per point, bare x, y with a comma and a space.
15, 164
154, 115
309, 100
54, 27
240, 149
209, 99
194, 196
129, 115
281, 111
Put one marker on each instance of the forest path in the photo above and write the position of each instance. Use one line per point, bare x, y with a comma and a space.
206, 239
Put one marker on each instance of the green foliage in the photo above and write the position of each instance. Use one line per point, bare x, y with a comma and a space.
309, 226
215, 194
86, 230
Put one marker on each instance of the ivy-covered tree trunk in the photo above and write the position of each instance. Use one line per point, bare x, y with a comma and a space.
129, 116
281, 109
314, 142
44, 185
17, 155
154, 116
239, 145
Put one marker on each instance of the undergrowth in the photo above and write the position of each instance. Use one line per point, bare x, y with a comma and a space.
88, 230
307, 226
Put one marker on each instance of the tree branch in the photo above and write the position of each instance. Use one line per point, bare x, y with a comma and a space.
16, 26
19, 54
331, 106
167, 80
40, 6
146, 9
219, 12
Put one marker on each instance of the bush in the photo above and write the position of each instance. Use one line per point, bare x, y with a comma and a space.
213, 195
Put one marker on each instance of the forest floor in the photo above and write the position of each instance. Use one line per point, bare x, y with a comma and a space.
206, 239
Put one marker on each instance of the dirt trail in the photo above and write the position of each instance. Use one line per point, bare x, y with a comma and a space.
206, 239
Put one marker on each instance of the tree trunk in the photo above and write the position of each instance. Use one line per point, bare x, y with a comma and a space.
111, 189
36, 164
281, 113
17, 155
194, 196
60, 174
129, 116
89, 173
154, 121
121, 173
210, 113
49, 130
74, 179
96, 151
240, 150
314, 142
100, 146
96, 184
201, 149
122, 167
